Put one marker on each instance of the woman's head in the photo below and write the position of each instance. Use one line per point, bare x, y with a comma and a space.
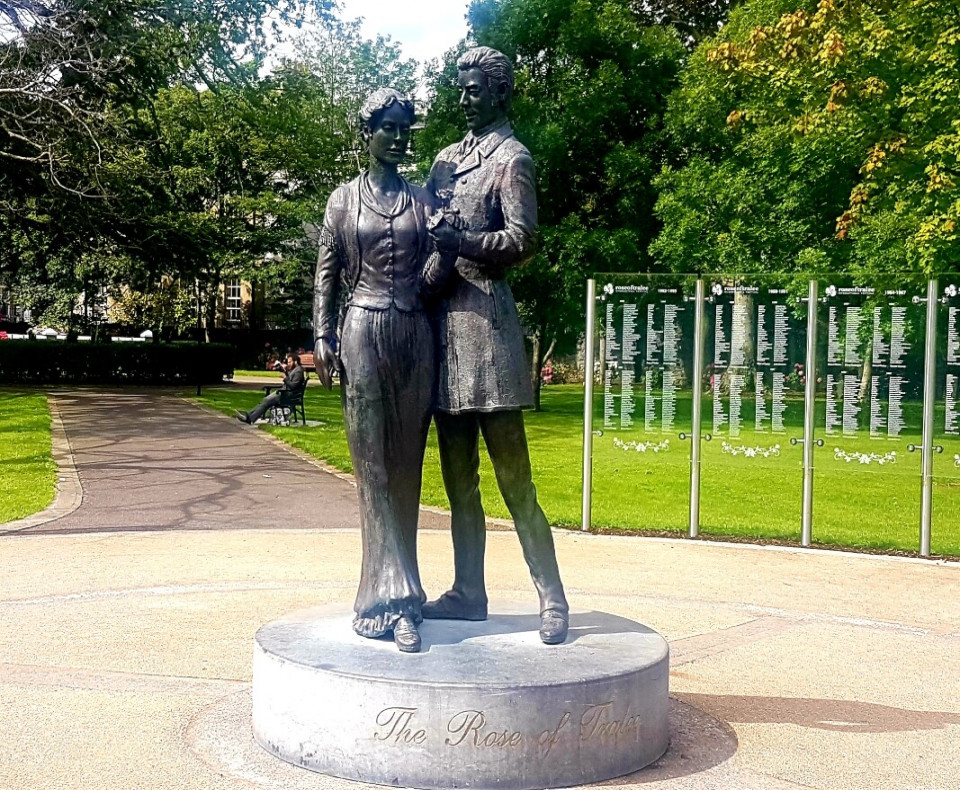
390, 113
380, 100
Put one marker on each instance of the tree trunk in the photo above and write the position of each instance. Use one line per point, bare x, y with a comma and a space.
199, 326
538, 360
535, 370
867, 372
212, 302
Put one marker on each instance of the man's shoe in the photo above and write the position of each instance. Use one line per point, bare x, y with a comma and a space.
406, 636
553, 627
242, 416
452, 606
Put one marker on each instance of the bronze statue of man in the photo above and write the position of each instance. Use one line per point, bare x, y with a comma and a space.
487, 181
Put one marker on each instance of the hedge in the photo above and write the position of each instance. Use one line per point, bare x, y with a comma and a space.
61, 362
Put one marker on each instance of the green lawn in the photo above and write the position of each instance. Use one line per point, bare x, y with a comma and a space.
866, 506
27, 472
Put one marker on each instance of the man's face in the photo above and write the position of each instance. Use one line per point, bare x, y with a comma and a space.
479, 104
290, 363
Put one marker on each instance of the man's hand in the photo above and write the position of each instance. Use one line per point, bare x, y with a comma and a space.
446, 231
325, 361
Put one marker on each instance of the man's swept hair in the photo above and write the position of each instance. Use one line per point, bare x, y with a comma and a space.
495, 65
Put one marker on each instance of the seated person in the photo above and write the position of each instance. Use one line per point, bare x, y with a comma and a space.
294, 383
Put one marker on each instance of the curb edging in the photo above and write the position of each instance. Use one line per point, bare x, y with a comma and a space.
69, 490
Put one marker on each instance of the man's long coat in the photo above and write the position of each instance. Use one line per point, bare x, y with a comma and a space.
482, 361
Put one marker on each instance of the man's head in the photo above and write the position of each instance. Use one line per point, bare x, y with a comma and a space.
486, 86
292, 361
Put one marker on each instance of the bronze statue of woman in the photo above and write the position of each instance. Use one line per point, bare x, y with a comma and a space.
373, 247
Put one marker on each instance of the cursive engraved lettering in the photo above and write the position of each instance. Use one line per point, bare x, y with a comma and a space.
397, 723
471, 723
470, 727
597, 724
548, 738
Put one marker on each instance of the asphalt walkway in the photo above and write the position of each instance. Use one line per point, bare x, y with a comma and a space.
153, 461
127, 615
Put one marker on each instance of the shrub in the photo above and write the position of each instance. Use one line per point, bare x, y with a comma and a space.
567, 373
60, 362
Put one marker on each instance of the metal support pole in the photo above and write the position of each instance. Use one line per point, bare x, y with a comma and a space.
588, 405
696, 416
929, 394
809, 412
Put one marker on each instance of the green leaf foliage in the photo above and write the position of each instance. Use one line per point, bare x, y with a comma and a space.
818, 132
201, 169
592, 78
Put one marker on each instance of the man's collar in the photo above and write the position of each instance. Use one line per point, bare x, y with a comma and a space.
491, 135
482, 144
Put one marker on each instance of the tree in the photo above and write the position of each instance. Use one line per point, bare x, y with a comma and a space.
196, 180
694, 19
64, 62
347, 67
592, 80
818, 136
78, 81
249, 165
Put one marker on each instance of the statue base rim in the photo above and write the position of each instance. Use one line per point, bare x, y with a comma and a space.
484, 704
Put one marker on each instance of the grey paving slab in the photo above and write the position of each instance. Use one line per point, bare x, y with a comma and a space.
116, 645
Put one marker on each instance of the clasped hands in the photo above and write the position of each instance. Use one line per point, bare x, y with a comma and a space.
446, 229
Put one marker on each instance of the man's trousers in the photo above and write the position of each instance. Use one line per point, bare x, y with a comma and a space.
503, 432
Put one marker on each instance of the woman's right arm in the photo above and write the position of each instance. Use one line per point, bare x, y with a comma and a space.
326, 289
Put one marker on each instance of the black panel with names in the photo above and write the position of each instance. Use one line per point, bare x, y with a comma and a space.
951, 303
871, 369
752, 369
644, 360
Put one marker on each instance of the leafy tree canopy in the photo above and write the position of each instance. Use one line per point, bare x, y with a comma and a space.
818, 135
185, 162
64, 62
592, 78
694, 19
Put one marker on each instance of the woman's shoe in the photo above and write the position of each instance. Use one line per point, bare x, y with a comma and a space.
406, 636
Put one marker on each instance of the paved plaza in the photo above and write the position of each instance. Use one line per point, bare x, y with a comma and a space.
128, 610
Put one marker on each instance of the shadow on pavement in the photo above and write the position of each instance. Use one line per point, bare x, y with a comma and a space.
835, 715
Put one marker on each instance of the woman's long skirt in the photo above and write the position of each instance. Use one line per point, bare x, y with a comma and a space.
387, 379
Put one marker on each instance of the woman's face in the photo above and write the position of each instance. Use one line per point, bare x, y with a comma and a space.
389, 139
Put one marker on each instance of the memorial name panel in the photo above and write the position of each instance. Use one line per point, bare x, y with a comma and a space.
644, 369
873, 369
754, 332
950, 301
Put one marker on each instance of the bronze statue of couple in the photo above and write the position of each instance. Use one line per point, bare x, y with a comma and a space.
428, 328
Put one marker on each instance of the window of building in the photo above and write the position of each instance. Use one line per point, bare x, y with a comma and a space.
233, 302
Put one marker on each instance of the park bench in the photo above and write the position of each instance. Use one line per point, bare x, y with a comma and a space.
286, 410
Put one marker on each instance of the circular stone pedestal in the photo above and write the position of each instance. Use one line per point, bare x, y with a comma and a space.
484, 705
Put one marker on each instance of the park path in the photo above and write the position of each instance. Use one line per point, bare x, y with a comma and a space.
149, 460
